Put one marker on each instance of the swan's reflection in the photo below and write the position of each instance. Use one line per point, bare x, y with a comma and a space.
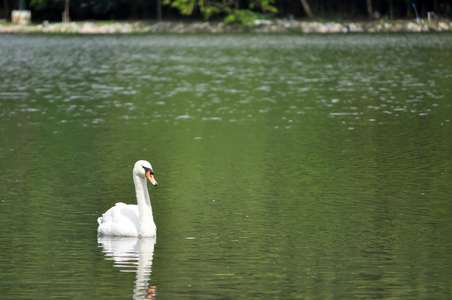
132, 254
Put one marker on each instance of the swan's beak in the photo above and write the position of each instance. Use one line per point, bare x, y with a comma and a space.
151, 178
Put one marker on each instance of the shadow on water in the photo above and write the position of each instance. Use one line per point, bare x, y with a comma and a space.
132, 254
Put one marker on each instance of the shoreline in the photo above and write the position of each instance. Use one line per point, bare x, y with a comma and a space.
257, 26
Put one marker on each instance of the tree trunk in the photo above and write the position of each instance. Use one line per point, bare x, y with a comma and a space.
66, 17
7, 13
159, 10
391, 10
307, 9
408, 9
369, 9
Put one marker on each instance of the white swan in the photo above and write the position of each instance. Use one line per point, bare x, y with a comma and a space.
132, 220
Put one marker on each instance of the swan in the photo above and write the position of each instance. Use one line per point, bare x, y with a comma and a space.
128, 219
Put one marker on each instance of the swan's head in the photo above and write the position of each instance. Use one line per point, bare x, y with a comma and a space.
144, 169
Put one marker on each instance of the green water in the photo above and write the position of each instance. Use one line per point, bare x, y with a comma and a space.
312, 167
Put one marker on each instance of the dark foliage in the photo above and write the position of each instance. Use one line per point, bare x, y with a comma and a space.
228, 9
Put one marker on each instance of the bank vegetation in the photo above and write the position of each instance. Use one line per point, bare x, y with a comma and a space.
228, 11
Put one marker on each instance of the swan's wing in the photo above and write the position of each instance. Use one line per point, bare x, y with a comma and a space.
120, 220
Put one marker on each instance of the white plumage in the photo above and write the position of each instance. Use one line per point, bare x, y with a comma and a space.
129, 219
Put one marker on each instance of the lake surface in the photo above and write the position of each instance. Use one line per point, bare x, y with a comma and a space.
289, 166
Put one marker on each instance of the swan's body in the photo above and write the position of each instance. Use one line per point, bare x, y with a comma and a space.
132, 220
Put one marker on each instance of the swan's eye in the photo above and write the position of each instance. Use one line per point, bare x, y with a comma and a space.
148, 170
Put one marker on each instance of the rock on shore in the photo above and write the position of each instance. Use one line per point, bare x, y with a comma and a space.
257, 26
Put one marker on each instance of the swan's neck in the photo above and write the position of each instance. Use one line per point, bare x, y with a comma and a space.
147, 225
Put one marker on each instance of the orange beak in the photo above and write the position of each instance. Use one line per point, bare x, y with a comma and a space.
151, 178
